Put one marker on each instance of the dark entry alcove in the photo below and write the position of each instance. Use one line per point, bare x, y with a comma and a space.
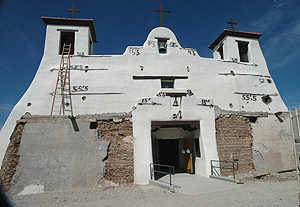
168, 152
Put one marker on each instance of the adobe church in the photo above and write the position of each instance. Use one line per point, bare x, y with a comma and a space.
88, 119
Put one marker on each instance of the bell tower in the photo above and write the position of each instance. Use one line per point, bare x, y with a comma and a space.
80, 33
238, 46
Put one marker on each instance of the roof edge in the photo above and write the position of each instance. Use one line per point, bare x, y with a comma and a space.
227, 32
75, 22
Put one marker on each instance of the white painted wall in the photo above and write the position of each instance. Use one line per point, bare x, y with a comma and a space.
143, 115
205, 79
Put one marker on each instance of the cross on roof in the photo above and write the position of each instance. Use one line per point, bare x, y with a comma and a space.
161, 13
232, 23
73, 10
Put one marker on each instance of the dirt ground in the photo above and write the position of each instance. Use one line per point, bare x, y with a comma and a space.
272, 190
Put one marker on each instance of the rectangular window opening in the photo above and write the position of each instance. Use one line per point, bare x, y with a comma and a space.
220, 51
67, 38
93, 125
243, 51
167, 83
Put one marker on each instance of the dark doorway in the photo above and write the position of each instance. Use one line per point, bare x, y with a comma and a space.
168, 152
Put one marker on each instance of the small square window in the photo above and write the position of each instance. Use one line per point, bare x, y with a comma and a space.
167, 83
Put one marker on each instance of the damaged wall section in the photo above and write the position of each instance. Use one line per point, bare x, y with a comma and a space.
234, 141
119, 161
56, 156
59, 153
273, 143
11, 158
260, 143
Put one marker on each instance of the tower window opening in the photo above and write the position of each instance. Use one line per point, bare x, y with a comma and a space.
67, 38
91, 47
220, 51
162, 45
167, 83
243, 51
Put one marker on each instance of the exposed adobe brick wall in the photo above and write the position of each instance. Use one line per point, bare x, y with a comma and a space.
234, 142
119, 163
11, 158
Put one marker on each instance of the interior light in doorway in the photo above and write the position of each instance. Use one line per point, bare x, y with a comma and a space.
188, 151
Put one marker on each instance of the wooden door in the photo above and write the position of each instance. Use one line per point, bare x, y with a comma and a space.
188, 156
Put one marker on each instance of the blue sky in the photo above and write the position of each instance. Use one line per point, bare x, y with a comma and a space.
118, 24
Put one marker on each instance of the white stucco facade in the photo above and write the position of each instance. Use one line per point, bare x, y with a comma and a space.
132, 82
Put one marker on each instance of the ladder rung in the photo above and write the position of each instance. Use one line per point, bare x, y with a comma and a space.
62, 93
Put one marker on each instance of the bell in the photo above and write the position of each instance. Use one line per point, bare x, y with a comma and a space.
175, 102
162, 47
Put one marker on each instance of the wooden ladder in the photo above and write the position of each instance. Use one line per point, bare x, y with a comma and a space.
62, 104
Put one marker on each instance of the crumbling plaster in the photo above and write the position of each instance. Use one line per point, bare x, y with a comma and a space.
55, 156
273, 144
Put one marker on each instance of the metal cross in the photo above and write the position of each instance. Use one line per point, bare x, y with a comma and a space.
161, 13
232, 23
73, 10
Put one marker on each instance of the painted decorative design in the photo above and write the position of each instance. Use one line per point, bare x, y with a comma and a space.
151, 43
262, 80
76, 67
206, 102
147, 101
161, 94
244, 74
178, 115
192, 52
173, 44
80, 88
257, 94
134, 51
248, 97
189, 92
